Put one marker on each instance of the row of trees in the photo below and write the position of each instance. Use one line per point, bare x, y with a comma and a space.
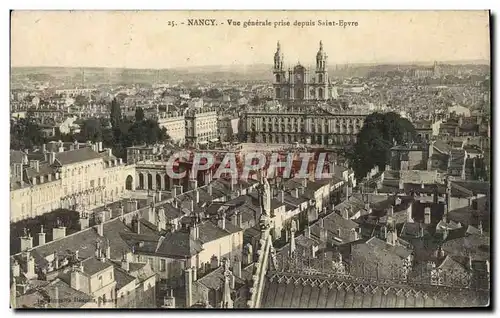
25, 133
117, 133
377, 136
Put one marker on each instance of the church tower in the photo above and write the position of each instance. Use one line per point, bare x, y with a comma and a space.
279, 74
321, 74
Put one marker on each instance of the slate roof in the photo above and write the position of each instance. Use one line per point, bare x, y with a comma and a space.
122, 278
44, 169
83, 241
16, 156
442, 146
46, 295
291, 295
92, 266
477, 187
215, 280
377, 251
475, 245
77, 155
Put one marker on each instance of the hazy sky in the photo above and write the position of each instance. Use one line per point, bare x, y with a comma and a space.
146, 40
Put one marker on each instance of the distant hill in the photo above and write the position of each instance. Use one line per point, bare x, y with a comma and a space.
211, 73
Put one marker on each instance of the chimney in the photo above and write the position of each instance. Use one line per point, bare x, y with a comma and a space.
401, 184
138, 226
292, 238
345, 213
282, 196
75, 277
313, 251
192, 206
41, 237
295, 193
26, 242
58, 232
304, 183
222, 221
307, 231
30, 266
248, 254
383, 232
390, 212
391, 237
56, 261
214, 262
125, 265
209, 189
169, 299
16, 269
194, 232
427, 215
421, 231
354, 234
193, 184
35, 165
321, 223
52, 157
323, 235
440, 253
108, 251
99, 146
238, 219
237, 267
159, 195
44, 148
368, 208
195, 273
84, 221
197, 196
56, 297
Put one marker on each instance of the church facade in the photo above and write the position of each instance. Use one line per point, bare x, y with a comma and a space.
300, 83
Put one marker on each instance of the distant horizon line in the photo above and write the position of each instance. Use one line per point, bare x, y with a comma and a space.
427, 62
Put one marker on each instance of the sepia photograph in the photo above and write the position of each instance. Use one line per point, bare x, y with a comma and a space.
250, 159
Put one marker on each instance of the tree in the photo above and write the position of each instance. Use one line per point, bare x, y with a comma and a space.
255, 101
379, 133
25, 133
81, 100
139, 114
195, 93
214, 93
91, 130
116, 113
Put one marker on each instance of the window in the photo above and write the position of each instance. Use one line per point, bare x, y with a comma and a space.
162, 265
100, 281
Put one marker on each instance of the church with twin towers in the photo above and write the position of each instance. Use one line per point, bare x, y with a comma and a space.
301, 83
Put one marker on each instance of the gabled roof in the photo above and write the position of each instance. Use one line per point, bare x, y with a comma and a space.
215, 280
92, 266
77, 155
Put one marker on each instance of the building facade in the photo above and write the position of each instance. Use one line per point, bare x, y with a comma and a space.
175, 126
201, 126
89, 175
315, 127
300, 83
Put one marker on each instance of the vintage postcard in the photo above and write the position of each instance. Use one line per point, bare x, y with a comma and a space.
250, 159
